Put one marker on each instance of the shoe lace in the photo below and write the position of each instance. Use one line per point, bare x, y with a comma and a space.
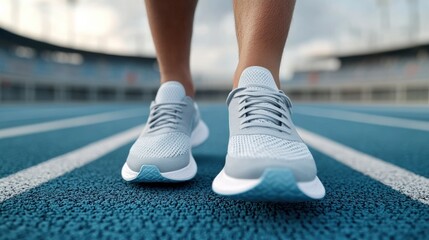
263, 108
165, 115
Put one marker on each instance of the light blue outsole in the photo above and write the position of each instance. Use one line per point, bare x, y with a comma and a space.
150, 174
277, 185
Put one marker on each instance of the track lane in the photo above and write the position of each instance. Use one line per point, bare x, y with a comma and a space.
403, 147
40, 114
43, 172
25, 151
403, 181
68, 123
365, 118
406, 112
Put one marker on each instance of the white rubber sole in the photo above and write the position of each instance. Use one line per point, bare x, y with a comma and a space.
274, 185
151, 173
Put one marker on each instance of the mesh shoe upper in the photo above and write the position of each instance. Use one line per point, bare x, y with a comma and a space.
258, 146
165, 145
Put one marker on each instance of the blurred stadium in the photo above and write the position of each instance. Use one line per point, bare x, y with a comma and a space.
393, 75
33, 70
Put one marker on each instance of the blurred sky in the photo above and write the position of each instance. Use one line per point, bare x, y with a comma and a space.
319, 27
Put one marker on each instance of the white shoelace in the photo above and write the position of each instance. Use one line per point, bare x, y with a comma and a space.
165, 115
263, 108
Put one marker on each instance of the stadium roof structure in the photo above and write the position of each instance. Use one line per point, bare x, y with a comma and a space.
319, 63
8, 37
404, 50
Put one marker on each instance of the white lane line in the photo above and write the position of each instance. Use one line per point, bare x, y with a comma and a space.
370, 107
49, 112
32, 177
401, 180
68, 123
365, 118
41, 114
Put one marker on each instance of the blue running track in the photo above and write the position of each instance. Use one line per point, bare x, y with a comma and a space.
93, 201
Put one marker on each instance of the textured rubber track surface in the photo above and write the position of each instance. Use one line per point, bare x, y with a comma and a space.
93, 202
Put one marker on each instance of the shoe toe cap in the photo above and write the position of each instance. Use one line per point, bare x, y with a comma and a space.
168, 152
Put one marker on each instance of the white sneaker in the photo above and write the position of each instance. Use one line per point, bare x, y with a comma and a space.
266, 160
162, 153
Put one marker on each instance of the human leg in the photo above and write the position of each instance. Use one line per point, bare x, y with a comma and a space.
171, 26
262, 28
162, 153
266, 158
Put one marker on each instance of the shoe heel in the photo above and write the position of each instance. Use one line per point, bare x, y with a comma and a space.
200, 134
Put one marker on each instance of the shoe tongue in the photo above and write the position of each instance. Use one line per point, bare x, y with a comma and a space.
257, 77
170, 91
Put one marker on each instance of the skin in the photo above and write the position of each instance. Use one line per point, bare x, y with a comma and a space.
262, 27
171, 26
